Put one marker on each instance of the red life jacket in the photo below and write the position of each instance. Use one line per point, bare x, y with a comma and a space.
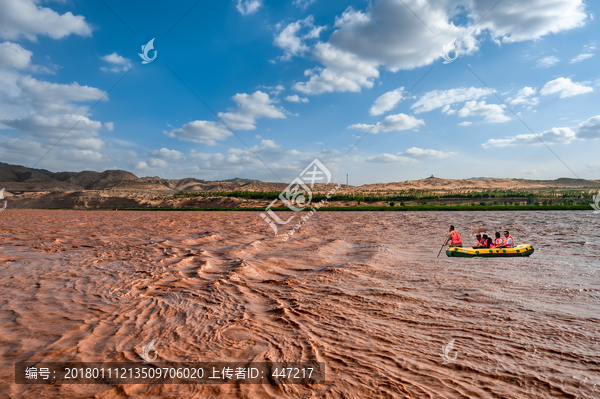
498, 241
455, 237
513, 242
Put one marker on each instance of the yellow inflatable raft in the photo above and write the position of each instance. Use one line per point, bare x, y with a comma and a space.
519, 250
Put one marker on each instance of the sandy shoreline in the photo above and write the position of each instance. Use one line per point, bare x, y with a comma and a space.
361, 292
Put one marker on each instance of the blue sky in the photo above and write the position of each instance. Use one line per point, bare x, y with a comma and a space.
302, 79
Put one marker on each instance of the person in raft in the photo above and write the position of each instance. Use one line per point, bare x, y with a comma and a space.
498, 242
479, 240
486, 242
508, 241
454, 238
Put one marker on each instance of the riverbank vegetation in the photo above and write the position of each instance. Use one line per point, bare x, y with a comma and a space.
426, 199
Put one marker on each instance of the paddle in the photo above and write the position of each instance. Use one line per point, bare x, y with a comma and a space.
442, 247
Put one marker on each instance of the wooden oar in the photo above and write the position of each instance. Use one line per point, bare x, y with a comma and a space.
446, 239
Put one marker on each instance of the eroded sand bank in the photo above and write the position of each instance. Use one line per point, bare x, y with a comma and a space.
362, 292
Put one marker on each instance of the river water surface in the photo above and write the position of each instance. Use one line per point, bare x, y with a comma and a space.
361, 292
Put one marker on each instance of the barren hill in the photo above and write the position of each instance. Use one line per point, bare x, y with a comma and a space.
40, 188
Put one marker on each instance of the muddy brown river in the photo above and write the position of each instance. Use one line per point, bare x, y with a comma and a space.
361, 292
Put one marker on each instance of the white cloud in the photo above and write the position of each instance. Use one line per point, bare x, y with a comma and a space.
589, 129
48, 96
303, 3
289, 42
547, 62
201, 132
581, 57
121, 64
267, 149
116, 59
386, 102
398, 122
250, 108
154, 163
41, 111
447, 110
85, 156
556, 135
365, 41
248, 7
25, 150
157, 163
380, 33
274, 90
565, 87
415, 152
465, 123
493, 113
79, 144
376, 37
141, 165
344, 72
525, 96
294, 44
25, 18
412, 155
390, 158
590, 47
391, 123
296, 99
586, 53
165, 153
55, 125
49, 110
440, 98
242, 160
517, 21
13, 55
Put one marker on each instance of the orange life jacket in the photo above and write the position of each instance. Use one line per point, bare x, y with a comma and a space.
455, 237
513, 242
498, 241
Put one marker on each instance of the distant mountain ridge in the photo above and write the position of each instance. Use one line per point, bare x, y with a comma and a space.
21, 178
44, 171
16, 178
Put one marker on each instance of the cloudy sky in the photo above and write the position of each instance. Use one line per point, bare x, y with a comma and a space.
259, 88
